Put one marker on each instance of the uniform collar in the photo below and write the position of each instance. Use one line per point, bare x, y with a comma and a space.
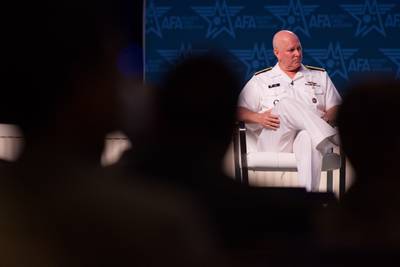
277, 71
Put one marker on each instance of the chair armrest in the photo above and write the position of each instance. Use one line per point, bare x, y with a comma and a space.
240, 152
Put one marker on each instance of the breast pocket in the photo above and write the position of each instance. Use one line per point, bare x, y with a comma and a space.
320, 98
308, 97
268, 99
267, 103
318, 91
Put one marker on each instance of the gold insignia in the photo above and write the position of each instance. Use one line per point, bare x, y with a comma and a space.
314, 68
264, 70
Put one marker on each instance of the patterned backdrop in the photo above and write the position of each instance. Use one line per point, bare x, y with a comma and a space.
349, 38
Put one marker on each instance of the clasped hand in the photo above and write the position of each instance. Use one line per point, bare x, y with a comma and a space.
268, 120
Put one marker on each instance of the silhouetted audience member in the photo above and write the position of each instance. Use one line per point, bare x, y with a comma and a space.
194, 121
64, 210
366, 228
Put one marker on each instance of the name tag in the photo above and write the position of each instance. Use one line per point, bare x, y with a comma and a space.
274, 85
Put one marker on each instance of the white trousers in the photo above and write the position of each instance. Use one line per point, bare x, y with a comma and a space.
302, 132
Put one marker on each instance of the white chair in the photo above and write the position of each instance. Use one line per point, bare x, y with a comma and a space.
11, 142
116, 143
250, 160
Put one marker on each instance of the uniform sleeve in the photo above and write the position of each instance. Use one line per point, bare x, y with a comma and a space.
250, 97
332, 96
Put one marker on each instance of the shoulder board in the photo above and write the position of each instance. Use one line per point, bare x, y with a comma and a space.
314, 68
264, 70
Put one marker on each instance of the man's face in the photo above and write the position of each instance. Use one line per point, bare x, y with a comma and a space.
289, 53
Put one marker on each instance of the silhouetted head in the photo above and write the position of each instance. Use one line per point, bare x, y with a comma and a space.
196, 107
367, 122
60, 61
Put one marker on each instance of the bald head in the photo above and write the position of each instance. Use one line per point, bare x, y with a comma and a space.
288, 51
283, 36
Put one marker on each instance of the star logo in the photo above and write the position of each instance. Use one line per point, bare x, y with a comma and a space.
219, 18
153, 14
368, 16
333, 59
173, 56
254, 59
293, 16
394, 56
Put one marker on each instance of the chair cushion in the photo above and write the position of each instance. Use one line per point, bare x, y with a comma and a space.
272, 161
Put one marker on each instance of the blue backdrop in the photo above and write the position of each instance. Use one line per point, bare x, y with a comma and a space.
346, 37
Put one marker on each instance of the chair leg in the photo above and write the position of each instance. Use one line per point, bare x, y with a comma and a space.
243, 154
236, 152
245, 175
329, 181
342, 176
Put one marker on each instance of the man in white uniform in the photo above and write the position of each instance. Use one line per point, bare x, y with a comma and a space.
291, 108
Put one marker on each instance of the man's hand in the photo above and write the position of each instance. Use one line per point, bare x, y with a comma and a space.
330, 115
268, 120
265, 119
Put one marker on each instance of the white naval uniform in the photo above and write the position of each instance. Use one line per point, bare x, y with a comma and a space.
300, 104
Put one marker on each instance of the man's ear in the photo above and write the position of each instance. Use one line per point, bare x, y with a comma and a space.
276, 52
